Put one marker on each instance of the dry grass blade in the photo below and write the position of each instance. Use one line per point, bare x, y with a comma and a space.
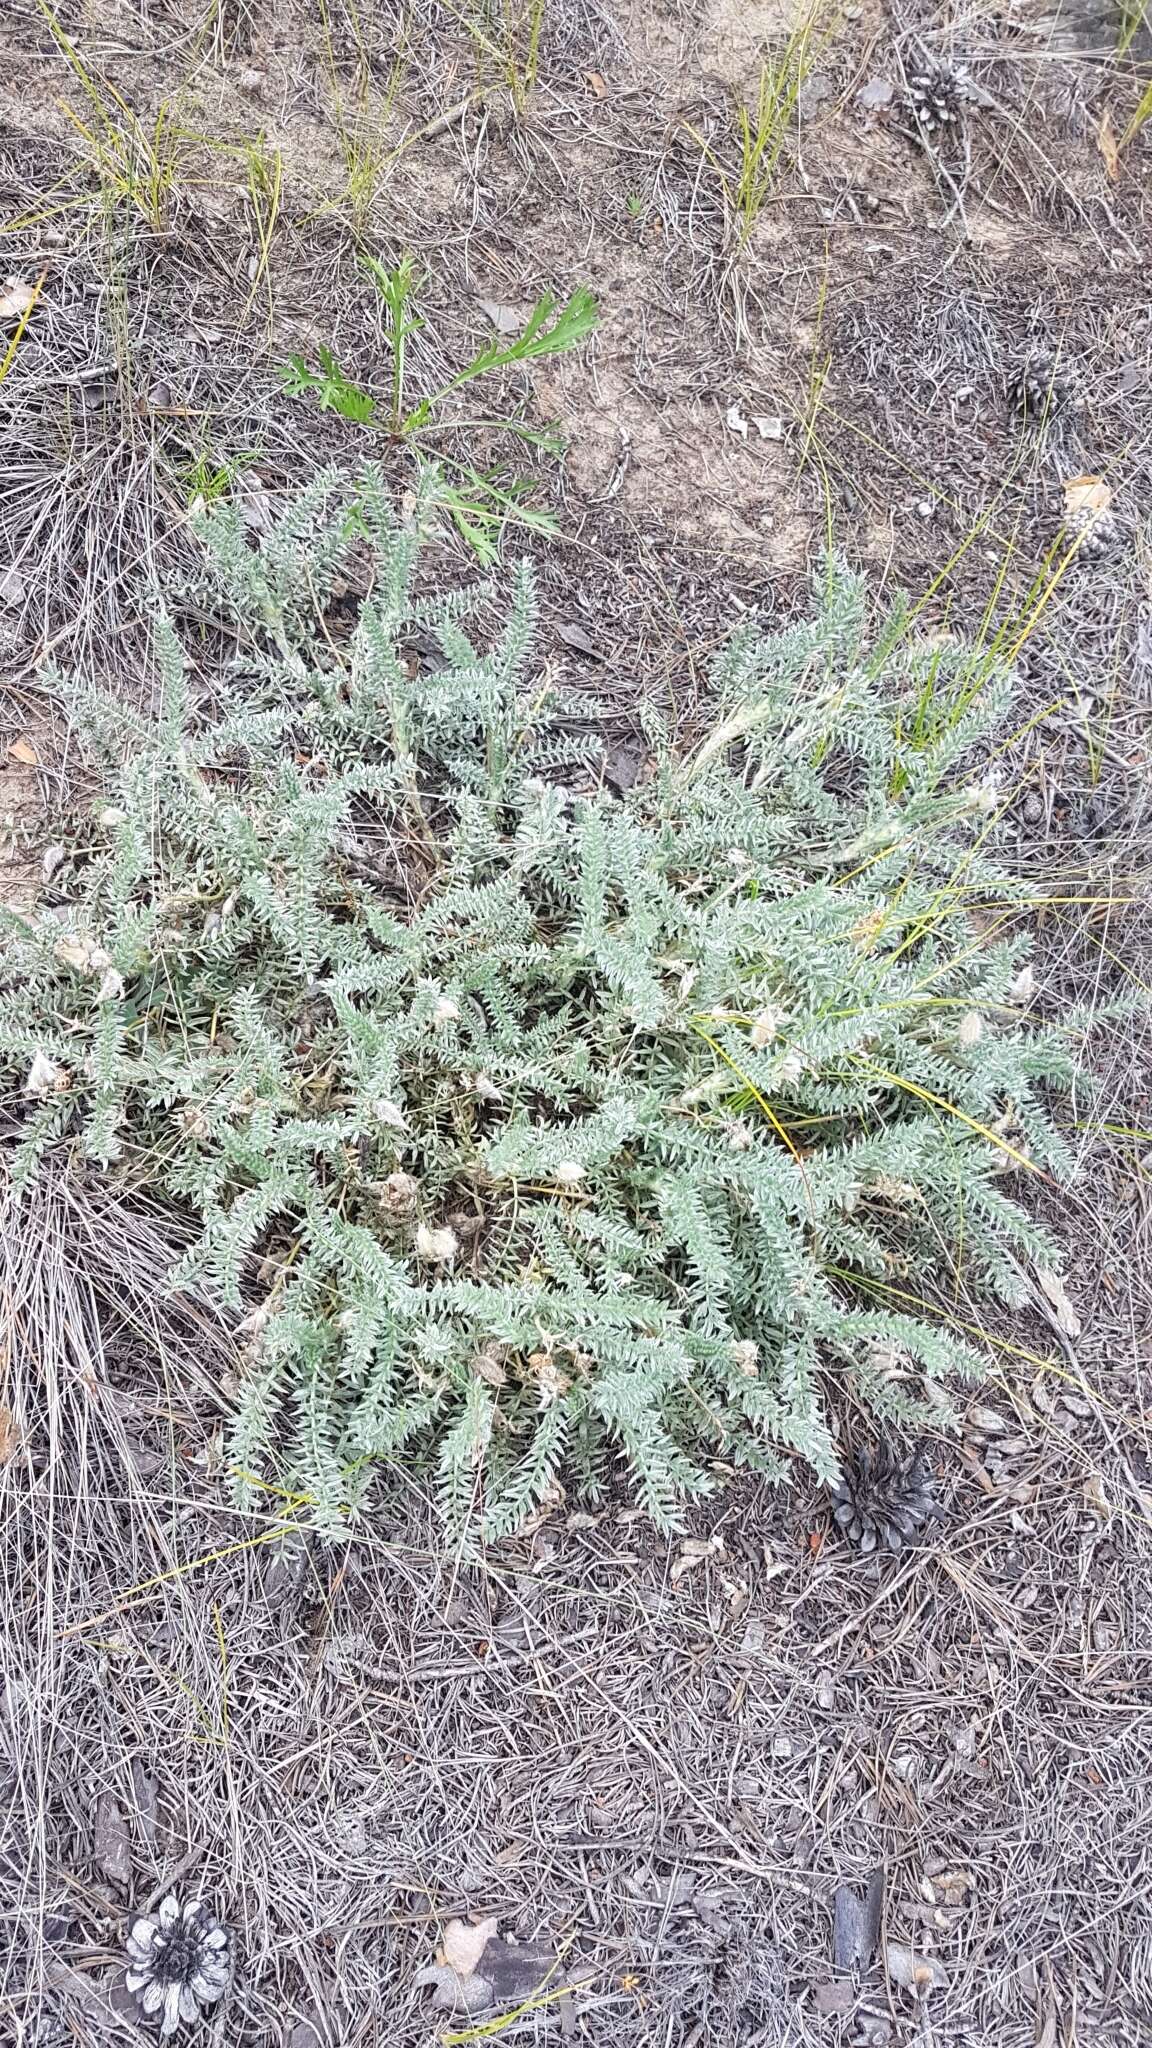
97, 1367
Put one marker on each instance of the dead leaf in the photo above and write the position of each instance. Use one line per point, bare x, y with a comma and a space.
464, 1943
9, 1435
146, 1791
22, 750
985, 1421
945, 1883
552, 1500
1066, 1317
677, 1890
73, 953
13, 589
876, 95
83, 954
518, 1969
596, 81
624, 765
835, 1998
1086, 497
505, 319
45, 1077
1095, 1496
470, 1995
499, 1972
692, 1552
16, 298
256, 504
1040, 1395
575, 636
111, 1849
1107, 144
918, 1974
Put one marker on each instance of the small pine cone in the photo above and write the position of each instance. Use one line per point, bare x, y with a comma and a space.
1099, 535
1041, 387
935, 101
179, 1960
883, 1499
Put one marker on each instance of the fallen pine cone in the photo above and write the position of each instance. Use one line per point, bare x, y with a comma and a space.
883, 1501
179, 1959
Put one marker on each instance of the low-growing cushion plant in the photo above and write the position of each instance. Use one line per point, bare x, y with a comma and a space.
535, 1131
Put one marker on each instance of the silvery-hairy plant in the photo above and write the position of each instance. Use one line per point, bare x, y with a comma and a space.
533, 1130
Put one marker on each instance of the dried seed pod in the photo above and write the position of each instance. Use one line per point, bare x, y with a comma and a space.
436, 1247
398, 1195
